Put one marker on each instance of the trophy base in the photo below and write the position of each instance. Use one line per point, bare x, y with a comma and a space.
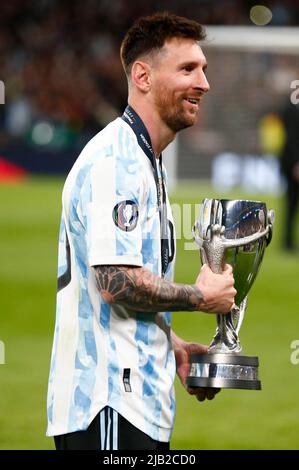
216, 370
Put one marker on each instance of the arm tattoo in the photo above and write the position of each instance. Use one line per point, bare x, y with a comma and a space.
139, 289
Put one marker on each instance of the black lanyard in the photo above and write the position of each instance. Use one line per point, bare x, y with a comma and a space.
144, 141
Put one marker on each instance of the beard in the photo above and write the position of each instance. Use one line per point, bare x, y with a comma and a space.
172, 111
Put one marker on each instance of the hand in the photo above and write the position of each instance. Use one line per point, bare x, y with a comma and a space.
204, 393
182, 351
217, 289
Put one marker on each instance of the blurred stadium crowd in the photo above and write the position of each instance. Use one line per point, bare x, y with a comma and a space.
59, 61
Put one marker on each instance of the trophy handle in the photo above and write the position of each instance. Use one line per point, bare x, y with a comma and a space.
226, 339
237, 242
212, 248
238, 314
227, 242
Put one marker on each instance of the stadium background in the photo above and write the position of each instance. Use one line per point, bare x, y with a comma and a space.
63, 82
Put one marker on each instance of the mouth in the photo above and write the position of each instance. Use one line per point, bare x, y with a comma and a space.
193, 101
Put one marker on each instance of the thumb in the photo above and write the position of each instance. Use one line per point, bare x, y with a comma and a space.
197, 348
228, 268
205, 268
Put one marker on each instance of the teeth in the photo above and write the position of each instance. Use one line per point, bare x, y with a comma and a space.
191, 100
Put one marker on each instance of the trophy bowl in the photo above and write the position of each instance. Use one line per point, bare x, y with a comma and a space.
234, 232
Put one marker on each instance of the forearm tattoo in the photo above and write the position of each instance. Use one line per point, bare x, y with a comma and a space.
139, 289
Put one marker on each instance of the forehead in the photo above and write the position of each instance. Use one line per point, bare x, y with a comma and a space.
177, 50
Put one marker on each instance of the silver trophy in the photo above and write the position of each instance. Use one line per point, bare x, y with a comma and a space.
235, 232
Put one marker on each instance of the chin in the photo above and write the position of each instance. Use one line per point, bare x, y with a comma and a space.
192, 120
188, 121
178, 122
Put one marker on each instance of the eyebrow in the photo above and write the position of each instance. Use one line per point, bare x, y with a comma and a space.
193, 64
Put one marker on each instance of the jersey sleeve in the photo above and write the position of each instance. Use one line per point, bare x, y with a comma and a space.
113, 212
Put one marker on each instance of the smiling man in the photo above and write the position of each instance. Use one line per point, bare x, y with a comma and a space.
115, 356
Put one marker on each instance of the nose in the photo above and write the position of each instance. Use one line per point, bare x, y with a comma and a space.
202, 82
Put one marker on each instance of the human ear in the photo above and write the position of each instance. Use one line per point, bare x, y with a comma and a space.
140, 76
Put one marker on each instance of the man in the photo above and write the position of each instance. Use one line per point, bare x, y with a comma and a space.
114, 355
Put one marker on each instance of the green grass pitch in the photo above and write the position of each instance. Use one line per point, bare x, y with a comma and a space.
236, 419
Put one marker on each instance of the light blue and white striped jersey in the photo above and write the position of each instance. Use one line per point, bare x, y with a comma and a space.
106, 354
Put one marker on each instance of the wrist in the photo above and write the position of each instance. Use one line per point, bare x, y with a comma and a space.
177, 342
196, 297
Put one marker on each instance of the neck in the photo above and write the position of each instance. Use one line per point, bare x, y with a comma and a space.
159, 132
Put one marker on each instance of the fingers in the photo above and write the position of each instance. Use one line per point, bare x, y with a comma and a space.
204, 393
205, 267
218, 290
207, 393
228, 269
211, 392
228, 308
198, 348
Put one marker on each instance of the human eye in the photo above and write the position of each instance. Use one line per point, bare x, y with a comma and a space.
188, 68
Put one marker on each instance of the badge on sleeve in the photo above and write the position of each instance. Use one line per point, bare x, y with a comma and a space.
125, 215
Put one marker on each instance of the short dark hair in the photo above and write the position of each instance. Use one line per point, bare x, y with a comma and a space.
149, 33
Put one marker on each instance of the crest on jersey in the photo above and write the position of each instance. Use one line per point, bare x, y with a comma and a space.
125, 215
